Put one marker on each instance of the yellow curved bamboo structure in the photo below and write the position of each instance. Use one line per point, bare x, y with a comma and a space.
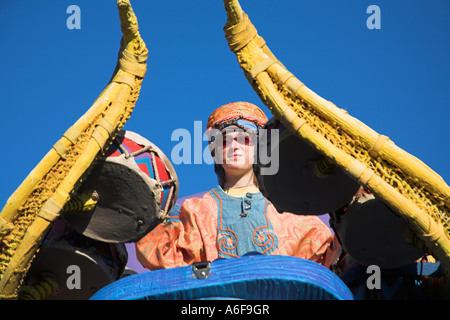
403, 182
31, 209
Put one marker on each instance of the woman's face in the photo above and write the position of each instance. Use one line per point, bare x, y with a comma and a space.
238, 151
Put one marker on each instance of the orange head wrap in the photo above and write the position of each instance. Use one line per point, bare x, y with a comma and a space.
242, 110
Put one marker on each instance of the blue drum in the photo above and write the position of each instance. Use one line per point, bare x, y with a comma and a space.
252, 277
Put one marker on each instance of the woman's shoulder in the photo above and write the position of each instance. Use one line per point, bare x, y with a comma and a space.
196, 201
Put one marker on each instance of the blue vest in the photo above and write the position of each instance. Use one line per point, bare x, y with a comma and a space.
243, 225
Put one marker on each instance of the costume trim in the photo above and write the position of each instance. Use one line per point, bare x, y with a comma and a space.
222, 242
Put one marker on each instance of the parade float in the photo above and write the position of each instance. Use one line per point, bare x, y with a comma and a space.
101, 187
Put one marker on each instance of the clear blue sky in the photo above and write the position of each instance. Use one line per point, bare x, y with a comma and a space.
394, 79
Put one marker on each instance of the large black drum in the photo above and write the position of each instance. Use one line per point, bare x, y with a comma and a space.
372, 234
76, 266
302, 184
136, 186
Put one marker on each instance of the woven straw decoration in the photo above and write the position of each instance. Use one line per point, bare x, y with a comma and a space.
403, 182
39, 200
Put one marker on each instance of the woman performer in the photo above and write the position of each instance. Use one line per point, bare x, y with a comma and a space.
234, 218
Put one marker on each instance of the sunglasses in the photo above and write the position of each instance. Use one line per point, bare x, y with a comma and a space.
242, 139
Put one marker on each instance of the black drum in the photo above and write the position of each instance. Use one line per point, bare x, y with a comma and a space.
372, 234
75, 265
301, 185
136, 186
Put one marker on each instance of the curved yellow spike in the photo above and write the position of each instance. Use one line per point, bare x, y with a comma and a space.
31, 209
234, 12
406, 184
